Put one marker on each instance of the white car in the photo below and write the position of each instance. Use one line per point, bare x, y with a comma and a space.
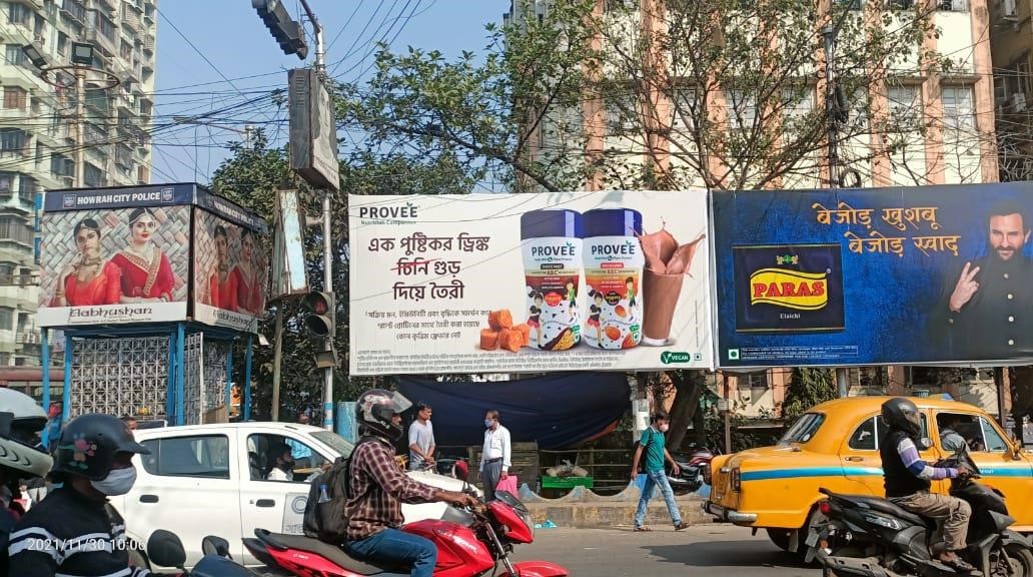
211, 480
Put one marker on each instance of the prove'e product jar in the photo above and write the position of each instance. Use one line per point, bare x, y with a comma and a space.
613, 277
551, 245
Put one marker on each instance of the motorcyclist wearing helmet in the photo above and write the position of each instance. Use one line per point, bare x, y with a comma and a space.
908, 479
75, 531
379, 487
21, 457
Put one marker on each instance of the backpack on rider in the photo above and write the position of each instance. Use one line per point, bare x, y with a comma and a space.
324, 511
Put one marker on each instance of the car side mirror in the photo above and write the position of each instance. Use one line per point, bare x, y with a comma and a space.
212, 545
165, 549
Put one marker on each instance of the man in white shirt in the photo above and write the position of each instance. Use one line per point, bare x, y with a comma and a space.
495, 456
421, 439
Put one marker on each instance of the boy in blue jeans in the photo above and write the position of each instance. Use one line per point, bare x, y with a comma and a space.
652, 444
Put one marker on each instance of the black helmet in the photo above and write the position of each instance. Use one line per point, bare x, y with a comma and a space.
89, 443
901, 414
376, 409
21, 421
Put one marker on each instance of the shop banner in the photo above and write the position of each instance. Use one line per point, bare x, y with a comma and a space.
114, 265
927, 275
494, 283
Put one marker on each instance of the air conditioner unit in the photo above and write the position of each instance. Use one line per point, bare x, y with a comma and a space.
1018, 102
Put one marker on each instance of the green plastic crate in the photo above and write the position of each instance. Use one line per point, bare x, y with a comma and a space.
567, 482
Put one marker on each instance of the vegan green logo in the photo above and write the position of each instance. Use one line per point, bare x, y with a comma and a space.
668, 357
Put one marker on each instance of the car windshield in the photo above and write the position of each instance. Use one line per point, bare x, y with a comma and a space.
803, 429
335, 442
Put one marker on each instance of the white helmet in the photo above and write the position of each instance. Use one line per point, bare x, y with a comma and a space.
21, 422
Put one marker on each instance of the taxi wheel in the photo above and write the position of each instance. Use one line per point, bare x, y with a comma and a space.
780, 537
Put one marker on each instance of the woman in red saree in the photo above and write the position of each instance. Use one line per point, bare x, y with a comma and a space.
146, 271
88, 280
250, 297
222, 282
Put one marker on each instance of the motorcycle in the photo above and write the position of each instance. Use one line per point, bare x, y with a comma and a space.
694, 470
166, 550
470, 542
868, 536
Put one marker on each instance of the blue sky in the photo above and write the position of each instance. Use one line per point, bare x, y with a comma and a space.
237, 45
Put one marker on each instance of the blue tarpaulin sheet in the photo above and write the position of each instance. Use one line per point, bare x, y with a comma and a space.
556, 411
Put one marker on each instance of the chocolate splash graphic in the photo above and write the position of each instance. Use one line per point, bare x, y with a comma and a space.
667, 263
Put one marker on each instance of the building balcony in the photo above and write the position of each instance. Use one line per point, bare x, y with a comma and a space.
95, 37
27, 338
75, 10
148, 43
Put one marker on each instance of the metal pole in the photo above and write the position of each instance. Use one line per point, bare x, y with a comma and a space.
277, 360
328, 259
80, 115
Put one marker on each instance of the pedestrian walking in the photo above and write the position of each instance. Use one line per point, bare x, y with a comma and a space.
653, 443
496, 454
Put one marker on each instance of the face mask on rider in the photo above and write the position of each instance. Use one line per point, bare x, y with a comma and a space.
663, 428
118, 482
488, 423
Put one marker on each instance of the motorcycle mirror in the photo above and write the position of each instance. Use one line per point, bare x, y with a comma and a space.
925, 443
165, 549
213, 545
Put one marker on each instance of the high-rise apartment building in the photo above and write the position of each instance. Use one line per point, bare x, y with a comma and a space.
39, 140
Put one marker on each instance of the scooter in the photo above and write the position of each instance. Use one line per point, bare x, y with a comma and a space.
166, 550
694, 470
470, 543
868, 536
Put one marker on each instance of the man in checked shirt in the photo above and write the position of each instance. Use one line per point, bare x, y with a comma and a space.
379, 487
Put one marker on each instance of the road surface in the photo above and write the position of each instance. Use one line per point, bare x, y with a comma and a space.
711, 550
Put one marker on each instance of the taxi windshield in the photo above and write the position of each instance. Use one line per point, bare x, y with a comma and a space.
803, 429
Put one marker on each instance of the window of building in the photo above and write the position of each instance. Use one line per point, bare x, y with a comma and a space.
757, 380
15, 97
201, 456
905, 102
18, 13
7, 183
14, 228
13, 140
6, 319
143, 175
954, 5
797, 102
15, 56
105, 26
61, 165
5, 359
7, 272
93, 176
62, 43
742, 109
126, 49
27, 188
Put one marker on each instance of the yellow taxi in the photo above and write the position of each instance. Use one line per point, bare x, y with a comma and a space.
835, 445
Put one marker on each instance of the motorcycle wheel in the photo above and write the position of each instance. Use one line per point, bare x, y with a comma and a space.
1021, 560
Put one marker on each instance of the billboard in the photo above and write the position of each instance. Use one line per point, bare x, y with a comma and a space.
929, 275
111, 258
231, 273
147, 254
313, 131
493, 283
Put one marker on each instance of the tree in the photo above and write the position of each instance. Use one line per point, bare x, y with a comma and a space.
251, 177
807, 387
715, 93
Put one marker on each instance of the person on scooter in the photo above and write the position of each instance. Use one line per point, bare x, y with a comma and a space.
379, 487
21, 457
908, 480
75, 531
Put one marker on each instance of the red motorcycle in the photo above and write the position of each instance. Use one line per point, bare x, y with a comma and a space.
469, 543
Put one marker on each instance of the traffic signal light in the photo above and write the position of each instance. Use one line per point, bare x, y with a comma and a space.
288, 33
319, 309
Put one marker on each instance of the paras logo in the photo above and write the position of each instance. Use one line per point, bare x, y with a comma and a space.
802, 291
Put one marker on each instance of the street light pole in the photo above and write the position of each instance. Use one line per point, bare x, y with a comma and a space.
328, 260
80, 126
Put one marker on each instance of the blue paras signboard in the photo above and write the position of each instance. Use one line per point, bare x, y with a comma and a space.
933, 274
